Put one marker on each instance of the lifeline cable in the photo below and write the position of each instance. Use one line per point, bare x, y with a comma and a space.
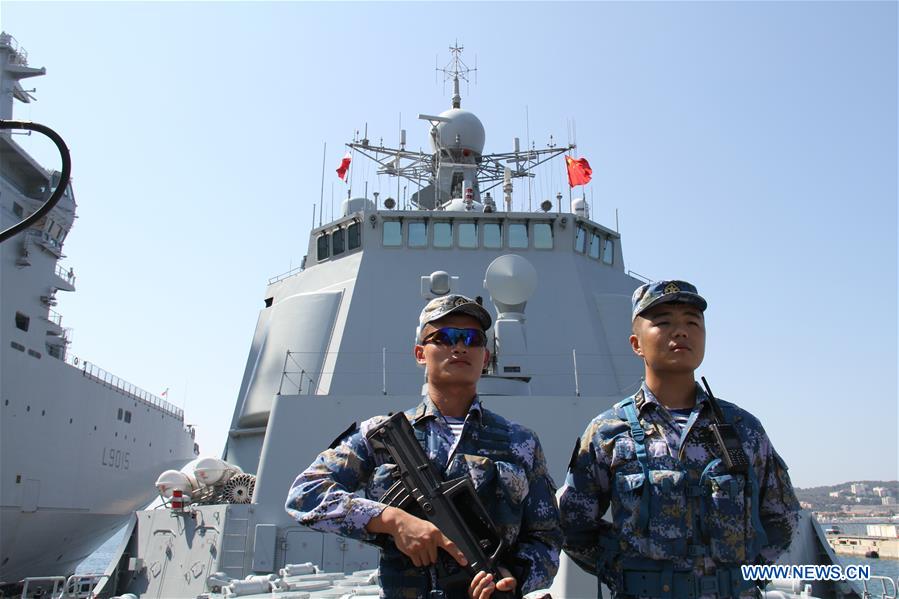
63, 178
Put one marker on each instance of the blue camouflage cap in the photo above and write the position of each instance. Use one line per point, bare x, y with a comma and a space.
651, 294
453, 303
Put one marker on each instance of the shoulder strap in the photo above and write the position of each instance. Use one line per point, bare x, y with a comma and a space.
639, 436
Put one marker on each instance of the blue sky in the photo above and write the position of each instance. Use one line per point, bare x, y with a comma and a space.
748, 147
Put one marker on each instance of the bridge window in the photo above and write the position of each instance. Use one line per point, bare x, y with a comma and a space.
119, 416
22, 321
518, 235
468, 235
418, 234
127, 416
493, 235
595, 245
608, 252
337, 246
353, 238
543, 236
324, 246
392, 233
443, 235
580, 239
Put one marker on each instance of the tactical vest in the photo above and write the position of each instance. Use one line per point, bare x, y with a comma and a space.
662, 514
494, 470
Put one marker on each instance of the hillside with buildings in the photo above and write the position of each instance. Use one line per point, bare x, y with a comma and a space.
859, 498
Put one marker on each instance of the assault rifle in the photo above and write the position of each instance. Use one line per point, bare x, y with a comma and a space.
452, 506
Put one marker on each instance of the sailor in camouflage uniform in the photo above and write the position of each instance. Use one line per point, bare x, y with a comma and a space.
682, 521
460, 436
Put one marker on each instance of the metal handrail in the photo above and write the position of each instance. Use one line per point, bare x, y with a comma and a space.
66, 275
297, 376
112, 381
54, 317
44, 236
866, 594
285, 374
637, 275
56, 580
21, 56
285, 275
71, 590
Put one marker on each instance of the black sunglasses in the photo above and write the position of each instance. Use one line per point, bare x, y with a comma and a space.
450, 336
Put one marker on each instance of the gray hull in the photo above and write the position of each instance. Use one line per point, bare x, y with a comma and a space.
79, 447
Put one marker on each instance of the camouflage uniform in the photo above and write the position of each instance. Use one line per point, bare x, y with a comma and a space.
507, 467
686, 532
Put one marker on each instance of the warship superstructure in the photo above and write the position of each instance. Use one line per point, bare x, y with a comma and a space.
79, 447
333, 345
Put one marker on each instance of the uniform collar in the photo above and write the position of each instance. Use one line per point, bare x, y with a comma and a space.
426, 410
646, 398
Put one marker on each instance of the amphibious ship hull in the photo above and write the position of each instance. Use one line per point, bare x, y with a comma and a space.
74, 466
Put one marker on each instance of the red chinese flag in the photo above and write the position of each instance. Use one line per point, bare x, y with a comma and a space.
579, 171
344, 167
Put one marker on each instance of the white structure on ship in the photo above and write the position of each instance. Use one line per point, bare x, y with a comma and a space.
79, 447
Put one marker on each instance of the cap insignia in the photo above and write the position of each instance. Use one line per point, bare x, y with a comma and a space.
671, 288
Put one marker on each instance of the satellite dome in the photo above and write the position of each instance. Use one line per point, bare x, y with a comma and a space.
464, 124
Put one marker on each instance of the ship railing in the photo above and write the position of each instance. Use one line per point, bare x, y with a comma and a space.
66, 275
21, 56
883, 592
572, 370
43, 238
76, 586
54, 317
42, 582
637, 275
107, 379
285, 275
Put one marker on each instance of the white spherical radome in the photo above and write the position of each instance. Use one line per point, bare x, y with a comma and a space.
464, 124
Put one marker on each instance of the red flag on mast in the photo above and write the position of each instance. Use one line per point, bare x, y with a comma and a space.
344, 167
579, 171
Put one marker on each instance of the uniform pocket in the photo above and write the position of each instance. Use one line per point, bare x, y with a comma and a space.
725, 520
502, 488
513, 481
481, 470
668, 514
629, 489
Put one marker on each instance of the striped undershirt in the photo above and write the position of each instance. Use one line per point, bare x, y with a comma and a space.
681, 416
455, 425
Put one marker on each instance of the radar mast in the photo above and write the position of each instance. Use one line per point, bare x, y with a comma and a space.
456, 171
455, 70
